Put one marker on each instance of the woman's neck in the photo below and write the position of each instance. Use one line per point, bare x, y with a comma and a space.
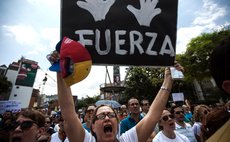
170, 134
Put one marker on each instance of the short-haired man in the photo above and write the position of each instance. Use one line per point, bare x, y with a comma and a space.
181, 126
88, 117
134, 116
144, 107
29, 127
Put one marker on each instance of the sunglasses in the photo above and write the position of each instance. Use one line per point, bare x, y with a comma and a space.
179, 112
102, 116
25, 125
166, 117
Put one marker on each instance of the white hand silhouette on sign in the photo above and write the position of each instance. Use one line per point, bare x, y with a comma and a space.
97, 8
146, 13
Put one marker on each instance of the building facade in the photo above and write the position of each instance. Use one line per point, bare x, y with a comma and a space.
22, 76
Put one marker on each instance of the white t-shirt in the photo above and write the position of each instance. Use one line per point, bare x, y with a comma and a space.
55, 138
187, 131
56, 127
197, 128
128, 136
160, 137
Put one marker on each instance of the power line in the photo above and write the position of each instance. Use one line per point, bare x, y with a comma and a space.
46, 74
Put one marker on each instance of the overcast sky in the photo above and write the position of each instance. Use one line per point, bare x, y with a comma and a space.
31, 28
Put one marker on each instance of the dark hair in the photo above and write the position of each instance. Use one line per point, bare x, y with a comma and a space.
34, 115
220, 62
197, 112
142, 101
95, 118
173, 108
11, 114
215, 119
133, 98
159, 126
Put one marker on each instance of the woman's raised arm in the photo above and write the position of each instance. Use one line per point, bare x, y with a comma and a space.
73, 127
146, 126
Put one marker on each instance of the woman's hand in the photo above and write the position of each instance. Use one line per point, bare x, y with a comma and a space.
168, 81
53, 57
179, 67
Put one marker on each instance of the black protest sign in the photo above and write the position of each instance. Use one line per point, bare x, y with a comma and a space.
123, 32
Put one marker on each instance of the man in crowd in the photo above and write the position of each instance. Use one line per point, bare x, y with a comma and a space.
134, 115
88, 117
144, 107
29, 127
181, 126
59, 136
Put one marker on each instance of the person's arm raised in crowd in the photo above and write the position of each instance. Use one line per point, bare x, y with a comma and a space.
73, 126
146, 126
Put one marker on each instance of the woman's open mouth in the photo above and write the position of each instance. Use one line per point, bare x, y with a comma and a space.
108, 129
16, 139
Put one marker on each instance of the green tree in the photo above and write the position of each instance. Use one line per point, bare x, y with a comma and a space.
5, 85
196, 59
142, 83
5, 88
87, 101
145, 82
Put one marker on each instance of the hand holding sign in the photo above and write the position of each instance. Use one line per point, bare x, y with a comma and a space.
146, 13
98, 8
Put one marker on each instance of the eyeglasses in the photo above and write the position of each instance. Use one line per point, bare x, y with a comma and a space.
179, 112
166, 117
102, 116
23, 125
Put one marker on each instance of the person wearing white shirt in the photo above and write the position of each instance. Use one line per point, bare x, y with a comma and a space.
59, 136
168, 133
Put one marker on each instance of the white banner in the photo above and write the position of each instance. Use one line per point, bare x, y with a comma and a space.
14, 106
178, 97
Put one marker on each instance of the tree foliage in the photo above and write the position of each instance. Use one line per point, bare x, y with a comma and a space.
196, 59
87, 101
5, 85
142, 83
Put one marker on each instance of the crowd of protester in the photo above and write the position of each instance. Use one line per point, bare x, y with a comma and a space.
193, 125
197, 122
133, 121
32, 125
